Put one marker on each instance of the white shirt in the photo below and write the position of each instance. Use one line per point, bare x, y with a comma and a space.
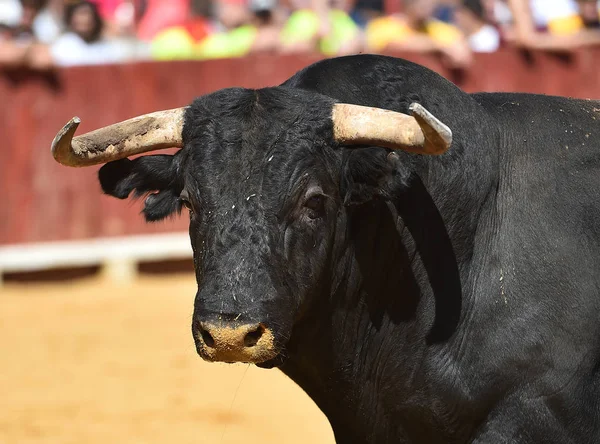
46, 27
10, 12
487, 39
544, 11
71, 50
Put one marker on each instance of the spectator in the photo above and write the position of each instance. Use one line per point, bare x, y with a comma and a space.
558, 17
10, 13
231, 14
444, 10
321, 27
499, 13
588, 11
12, 54
180, 41
118, 16
366, 10
18, 45
83, 43
23, 31
470, 17
202, 29
160, 15
257, 30
417, 30
268, 19
555, 25
48, 24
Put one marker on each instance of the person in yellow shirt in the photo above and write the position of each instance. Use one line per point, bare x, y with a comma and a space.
559, 32
242, 27
417, 30
322, 25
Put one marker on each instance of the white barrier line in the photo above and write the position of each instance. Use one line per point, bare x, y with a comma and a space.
42, 256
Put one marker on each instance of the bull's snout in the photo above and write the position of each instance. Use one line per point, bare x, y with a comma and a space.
235, 343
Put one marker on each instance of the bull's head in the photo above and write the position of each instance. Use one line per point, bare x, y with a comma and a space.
267, 176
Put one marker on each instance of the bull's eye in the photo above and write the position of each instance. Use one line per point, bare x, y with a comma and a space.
315, 205
184, 199
186, 203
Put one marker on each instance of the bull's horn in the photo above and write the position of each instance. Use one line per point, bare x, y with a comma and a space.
141, 134
419, 133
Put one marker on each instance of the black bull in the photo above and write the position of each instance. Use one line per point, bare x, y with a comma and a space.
416, 299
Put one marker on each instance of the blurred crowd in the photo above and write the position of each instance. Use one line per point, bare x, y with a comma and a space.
43, 33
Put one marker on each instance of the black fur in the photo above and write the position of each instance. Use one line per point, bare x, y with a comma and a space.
449, 299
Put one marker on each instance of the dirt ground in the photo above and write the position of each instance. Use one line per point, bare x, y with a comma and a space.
90, 362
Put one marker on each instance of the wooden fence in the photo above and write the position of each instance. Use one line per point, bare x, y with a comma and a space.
43, 201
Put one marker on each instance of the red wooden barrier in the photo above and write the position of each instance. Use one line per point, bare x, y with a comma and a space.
43, 201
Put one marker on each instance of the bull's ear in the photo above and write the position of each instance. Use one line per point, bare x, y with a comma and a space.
367, 174
156, 176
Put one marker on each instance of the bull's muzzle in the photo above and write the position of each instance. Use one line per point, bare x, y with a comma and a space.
224, 342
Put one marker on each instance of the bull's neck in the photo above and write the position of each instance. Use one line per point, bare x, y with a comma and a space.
395, 303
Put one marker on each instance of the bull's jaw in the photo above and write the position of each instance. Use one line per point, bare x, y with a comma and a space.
277, 361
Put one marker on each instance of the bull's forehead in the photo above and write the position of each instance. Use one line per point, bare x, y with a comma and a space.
251, 148
263, 184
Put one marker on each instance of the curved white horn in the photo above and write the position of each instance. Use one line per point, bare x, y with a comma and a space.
149, 132
421, 132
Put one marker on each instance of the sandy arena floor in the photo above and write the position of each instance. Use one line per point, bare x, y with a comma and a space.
94, 363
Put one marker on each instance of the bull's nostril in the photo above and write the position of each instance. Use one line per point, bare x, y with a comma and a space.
253, 336
207, 338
